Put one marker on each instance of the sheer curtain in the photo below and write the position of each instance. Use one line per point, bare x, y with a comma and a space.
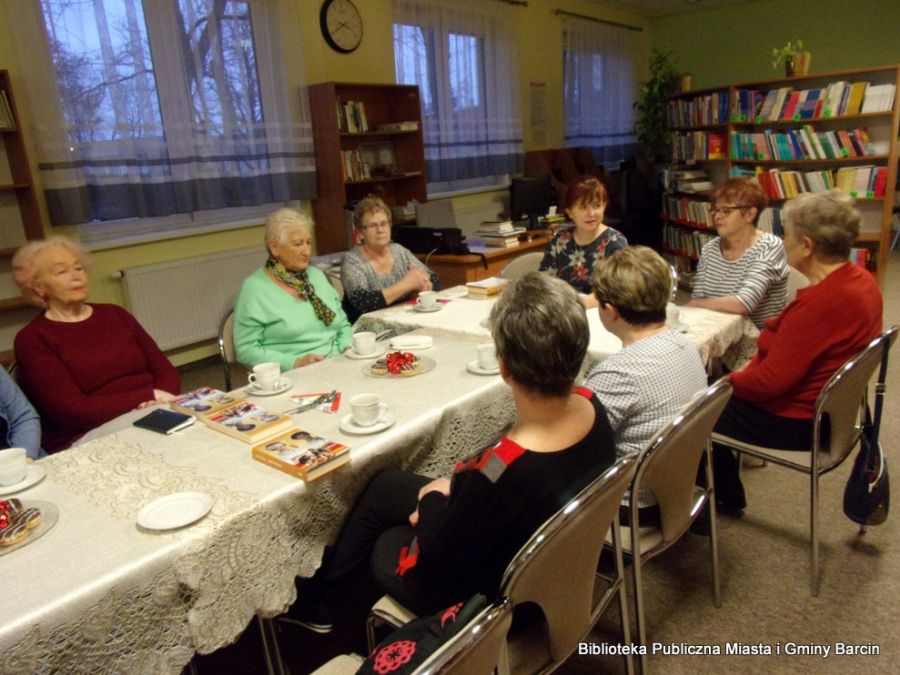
599, 88
461, 54
147, 109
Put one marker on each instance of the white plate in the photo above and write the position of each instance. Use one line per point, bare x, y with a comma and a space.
437, 308
49, 516
426, 364
175, 510
348, 426
255, 390
33, 474
475, 369
351, 353
410, 343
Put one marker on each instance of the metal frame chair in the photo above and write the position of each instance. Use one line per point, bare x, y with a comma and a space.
557, 570
843, 401
520, 266
668, 467
478, 649
226, 346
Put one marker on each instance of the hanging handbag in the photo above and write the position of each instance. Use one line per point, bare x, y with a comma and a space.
867, 495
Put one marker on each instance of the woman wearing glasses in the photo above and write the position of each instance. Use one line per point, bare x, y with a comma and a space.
742, 271
378, 273
288, 312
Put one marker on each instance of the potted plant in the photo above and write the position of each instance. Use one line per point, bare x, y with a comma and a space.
794, 57
652, 126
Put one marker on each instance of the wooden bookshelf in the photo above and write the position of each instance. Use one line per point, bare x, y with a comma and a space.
732, 113
345, 172
20, 217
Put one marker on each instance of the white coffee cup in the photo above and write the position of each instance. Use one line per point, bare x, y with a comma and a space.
13, 466
367, 409
487, 356
364, 343
427, 299
265, 375
673, 314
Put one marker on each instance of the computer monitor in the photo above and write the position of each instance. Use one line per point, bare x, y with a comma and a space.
531, 197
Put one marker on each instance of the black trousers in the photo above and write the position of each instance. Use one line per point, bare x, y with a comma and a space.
745, 422
374, 533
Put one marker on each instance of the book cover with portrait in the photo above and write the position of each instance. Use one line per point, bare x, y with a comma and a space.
204, 401
301, 454
248, 422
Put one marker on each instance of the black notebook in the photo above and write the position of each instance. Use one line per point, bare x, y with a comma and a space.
164, 421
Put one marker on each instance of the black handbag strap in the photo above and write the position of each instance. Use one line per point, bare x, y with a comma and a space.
880, 386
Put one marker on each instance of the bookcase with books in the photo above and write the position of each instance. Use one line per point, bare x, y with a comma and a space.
367, 137
794, 135
20, 215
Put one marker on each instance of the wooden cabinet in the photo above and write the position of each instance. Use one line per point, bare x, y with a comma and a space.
20, 215
798, 134
367, 137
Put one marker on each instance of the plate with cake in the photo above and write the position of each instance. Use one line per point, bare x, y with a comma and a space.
24, 521
399, 364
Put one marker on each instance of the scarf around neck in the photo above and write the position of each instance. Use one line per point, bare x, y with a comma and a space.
300, 282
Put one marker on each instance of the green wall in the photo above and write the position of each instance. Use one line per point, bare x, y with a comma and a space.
734, 44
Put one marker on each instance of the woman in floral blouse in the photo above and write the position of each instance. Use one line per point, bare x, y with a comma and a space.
571, 253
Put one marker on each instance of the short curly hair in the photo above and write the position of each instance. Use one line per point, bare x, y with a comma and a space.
830, 219
541, 333
370, 204
637, 282
742, 191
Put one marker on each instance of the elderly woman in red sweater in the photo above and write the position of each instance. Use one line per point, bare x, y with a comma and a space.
83, 364
832, 319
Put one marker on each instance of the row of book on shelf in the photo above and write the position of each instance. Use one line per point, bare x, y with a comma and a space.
838, 99
274, 439
860, 182
698, 145
802, 143
351, 116
6, 116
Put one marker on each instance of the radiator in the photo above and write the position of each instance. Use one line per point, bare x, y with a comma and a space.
183, 302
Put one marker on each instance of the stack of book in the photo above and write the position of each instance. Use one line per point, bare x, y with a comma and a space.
499, 233
486, 287
275, 439
691, 180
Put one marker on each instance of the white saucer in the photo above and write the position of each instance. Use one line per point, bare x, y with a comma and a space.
679, 326
255, 390
437, 308
175, 510
351, 353
33, 474
475, 369
348, 426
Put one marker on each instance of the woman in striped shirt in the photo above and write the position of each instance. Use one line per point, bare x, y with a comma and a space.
742, 271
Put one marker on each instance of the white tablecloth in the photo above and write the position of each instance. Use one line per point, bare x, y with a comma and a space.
712, 332
98, 594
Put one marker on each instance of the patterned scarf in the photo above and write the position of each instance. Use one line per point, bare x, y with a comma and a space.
300, 282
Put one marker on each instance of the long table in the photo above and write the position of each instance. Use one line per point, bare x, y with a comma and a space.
99, 594
714, 333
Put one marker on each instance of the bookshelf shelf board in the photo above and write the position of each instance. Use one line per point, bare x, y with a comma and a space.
702, 127
862, 117
691, 226
868, 159
385, 179
703, 194
8, 130
12, 187
693, 162
870, 237
376, 135
7, 304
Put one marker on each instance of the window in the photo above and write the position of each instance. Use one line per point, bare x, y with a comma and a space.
166, 107
599, 94
473, 135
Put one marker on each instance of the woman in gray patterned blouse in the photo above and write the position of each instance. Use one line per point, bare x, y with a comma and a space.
379, 273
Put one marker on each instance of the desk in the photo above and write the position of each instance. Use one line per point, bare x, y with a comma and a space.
714, 333
456, 270
97, 594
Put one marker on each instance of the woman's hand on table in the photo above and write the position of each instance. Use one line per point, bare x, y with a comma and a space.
160, 396
417, 279
307, 360
441, 485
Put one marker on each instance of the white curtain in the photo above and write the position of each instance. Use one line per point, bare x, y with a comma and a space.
599, 88
148, 109
461, 54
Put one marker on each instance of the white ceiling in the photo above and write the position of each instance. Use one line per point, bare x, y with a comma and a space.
657, 8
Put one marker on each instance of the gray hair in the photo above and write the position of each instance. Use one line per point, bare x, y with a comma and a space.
24, 271
830, 219
541, 333
284, 221
637, 282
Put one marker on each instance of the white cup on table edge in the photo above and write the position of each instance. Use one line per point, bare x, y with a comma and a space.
487, 356
13, 466
367, 409
427, 299
265, 375
364, 343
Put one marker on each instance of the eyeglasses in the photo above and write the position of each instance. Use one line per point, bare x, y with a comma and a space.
726, 210
376, 226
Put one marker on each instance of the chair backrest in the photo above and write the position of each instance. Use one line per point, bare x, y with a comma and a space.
796, 281
525, 263
668, 463
477, 649
842, 397
226, 345
438, 213
556, 568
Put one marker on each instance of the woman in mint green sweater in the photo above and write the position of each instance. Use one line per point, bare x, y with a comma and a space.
288, 312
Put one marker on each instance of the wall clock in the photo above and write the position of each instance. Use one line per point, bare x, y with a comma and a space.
341, 24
